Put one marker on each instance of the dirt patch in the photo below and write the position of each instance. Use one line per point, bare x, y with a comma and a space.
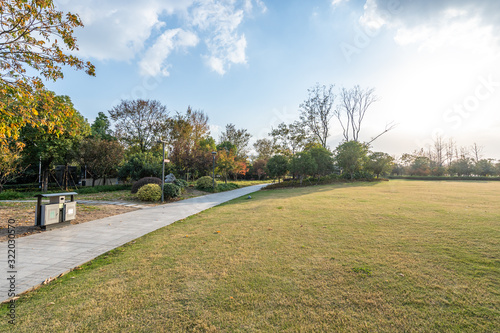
24, 215
24, 212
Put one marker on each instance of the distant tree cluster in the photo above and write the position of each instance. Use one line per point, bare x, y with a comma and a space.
445, 158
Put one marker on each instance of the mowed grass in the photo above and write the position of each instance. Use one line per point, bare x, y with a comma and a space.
400, 256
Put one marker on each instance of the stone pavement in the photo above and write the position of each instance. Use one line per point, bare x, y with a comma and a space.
48, 254
118, 203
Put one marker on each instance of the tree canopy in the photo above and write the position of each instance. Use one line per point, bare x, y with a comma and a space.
139, 124
33, 35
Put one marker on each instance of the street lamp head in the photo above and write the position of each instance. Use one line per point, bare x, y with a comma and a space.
214, 153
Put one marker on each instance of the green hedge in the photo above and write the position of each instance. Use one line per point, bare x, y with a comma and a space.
13, 195
446, 178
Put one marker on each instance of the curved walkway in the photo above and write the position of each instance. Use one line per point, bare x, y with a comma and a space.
46, 255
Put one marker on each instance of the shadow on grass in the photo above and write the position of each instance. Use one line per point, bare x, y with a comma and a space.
298, 191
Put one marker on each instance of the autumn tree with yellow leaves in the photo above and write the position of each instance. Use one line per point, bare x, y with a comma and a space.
34, 35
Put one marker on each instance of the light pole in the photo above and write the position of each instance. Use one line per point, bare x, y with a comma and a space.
163, 172
213, 174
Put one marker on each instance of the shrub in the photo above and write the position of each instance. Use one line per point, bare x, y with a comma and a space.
149, 192
358, 175
142, 165
181, 183
204, 183
143, 181
10, 195
227, 187
171, 190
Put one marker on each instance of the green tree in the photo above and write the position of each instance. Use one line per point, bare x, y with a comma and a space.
303, 165
238, 137
34, 36
324, 160
142, 164
292, 138
420, 166
101, 157
101, 127
351, 156
277, 167
485, 167
379, 163
264, 148
42, 145
139, 124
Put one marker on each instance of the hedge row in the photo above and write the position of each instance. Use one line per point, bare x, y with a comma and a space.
445, 178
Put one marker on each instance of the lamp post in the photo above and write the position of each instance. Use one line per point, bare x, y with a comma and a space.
163, 172
213, 174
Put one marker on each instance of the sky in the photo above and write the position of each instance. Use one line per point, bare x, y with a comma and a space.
434, 65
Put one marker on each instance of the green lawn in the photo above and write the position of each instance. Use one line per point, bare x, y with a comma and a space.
398, 256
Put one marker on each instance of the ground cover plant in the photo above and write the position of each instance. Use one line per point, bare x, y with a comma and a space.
394, 256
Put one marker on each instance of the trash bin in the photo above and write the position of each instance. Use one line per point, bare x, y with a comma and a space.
57, 211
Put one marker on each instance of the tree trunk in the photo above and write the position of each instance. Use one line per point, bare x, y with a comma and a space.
66, 174
45, 180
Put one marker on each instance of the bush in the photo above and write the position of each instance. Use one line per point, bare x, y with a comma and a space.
358, 175
149, 192
11, 195
143, 181
226, 187
142, 165
205, 183
181, 183
171, 190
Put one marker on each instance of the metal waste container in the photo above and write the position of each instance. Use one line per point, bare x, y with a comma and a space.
58, 210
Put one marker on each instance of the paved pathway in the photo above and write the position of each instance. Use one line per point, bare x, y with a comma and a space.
48, 254
118, 203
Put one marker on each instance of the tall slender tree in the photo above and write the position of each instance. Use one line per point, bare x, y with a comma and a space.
316, 112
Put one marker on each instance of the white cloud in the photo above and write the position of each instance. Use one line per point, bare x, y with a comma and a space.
435, 24
335, 3
373, 18
468, 34
153, 62
126, 29
220, 21
118, 29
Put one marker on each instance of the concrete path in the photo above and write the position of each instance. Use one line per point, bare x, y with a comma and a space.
46, 255
116, 203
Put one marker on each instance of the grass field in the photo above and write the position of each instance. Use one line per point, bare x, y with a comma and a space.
398, 256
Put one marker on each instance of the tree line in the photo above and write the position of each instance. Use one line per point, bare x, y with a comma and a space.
40, 130
446, 158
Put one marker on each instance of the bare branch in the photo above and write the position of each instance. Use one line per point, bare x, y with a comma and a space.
388, 127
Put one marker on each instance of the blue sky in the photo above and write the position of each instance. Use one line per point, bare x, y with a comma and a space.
433, 64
